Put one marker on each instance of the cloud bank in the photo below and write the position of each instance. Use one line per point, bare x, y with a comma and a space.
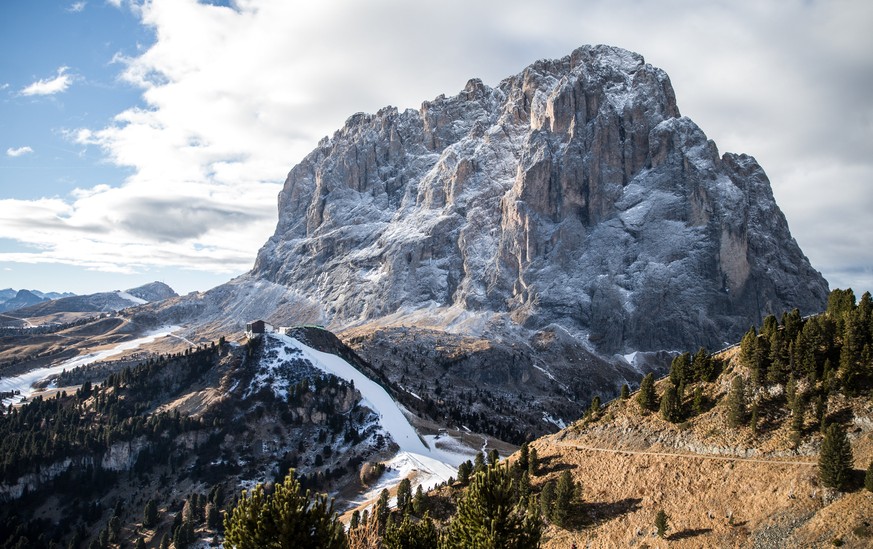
235, 96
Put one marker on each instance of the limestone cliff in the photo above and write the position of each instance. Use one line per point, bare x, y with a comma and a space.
573, 193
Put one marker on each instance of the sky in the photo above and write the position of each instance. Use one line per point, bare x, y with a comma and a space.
148, 140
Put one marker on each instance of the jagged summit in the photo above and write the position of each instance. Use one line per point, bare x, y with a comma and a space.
572, 193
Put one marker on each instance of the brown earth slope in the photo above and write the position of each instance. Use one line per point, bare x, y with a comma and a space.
720, 486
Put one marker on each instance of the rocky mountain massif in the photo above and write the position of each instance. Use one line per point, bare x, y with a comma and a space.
573, 193
570, 207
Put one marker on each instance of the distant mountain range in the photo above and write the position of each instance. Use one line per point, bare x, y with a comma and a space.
16, 299
25, 303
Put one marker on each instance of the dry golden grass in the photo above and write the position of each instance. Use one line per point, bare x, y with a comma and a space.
720, 486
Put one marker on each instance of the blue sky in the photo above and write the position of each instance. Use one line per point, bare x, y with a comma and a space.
146, 141
68, 54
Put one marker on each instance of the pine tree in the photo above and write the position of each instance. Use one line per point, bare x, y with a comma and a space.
114, 529
523, 456
594, 409
798, 410
213, 516
547, 499
491, 515
662, 523
478, 463
670, 407
355, 521
404, 496
790, 391
465, 469
533, 462
150, 514
418, 502
680, 369
411, 535
749, 349
625, 392
286, 518
835, 458
647, 398
698, 404
565, 493
382, 509
702, 365
524, 486
736, 403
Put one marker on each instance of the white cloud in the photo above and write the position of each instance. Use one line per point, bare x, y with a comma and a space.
235, 96
58, 84
18, 151
77, 7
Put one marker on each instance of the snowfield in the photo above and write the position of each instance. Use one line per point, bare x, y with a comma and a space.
24, 382
426, 465
133, 299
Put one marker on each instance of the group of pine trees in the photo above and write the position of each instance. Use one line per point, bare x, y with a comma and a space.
490, 514
497, 508
43, 431
833, 349
687, 373
810, 358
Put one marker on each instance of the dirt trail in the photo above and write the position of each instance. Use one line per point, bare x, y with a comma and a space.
689, 456
29, 324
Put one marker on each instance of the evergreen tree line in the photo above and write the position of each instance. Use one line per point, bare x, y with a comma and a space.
88, 422
683, 396
833, 348
497, 509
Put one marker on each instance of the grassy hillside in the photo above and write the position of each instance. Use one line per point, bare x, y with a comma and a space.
730, 475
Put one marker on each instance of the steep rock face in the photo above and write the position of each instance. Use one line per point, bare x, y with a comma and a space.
572, 193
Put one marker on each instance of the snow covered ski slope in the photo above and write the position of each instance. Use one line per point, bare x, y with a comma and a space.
431, 465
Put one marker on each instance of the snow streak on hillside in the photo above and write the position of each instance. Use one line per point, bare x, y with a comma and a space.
429, 466
23, 383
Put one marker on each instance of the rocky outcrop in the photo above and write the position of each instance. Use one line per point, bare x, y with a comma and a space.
153, 291
572, 193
